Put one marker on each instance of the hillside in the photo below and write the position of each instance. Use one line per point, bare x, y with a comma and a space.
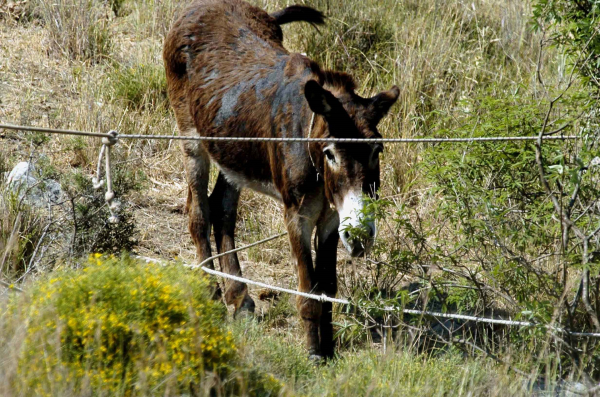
463, 227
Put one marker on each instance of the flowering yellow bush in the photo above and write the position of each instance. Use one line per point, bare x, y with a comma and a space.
122, 327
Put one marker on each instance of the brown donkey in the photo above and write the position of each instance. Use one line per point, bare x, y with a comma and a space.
229, 75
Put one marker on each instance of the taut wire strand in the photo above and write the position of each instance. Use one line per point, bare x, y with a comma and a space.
325, 298
289, 139
111, 138
53, 130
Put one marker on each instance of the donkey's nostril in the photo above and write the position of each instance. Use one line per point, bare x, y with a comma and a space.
346, 235
371, 232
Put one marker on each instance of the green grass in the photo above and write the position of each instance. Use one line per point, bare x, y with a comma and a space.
368, 371
139, 87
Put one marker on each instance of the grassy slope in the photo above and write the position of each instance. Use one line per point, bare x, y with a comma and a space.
436, 51
368, 371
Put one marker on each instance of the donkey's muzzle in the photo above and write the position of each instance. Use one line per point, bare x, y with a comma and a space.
358, 246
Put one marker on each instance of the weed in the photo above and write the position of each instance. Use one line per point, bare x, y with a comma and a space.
93, 232
153, 17
117, 7
399, 372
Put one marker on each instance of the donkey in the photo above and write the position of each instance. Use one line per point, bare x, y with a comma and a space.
229, 75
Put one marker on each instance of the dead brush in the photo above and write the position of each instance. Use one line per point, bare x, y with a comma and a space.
152, 17
21, 228
78, 29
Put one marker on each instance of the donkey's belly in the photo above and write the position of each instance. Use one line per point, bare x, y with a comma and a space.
242, 181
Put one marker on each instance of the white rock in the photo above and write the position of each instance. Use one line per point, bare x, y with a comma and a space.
25, 180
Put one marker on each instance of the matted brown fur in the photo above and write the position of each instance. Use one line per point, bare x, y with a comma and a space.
228, 74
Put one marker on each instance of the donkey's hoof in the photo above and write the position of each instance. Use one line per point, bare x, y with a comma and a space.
316, 359
216, 293
246, 309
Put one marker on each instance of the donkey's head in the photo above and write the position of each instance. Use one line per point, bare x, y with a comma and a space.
350, 170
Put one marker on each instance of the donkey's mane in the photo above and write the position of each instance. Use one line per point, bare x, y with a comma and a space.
339, 80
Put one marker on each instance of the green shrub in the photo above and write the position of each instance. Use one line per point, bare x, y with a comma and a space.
573, 26
93, 232
120, 327
501, 237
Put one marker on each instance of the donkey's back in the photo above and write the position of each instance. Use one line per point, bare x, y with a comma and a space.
217, 44
229, 75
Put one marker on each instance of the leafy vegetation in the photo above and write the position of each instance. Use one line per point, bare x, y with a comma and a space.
573, 27
92, 230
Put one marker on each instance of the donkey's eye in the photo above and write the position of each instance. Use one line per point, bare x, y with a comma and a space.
329, 154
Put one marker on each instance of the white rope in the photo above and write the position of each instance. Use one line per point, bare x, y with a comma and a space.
325, 298
113, 205
275, 139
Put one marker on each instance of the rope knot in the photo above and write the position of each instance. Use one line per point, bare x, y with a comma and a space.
112, 139
109, 196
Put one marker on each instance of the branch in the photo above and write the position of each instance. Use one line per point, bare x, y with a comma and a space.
565, 220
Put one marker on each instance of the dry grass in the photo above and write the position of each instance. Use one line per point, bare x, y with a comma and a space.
436, 52
20, 230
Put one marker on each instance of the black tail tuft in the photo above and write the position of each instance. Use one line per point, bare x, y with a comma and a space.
299, 14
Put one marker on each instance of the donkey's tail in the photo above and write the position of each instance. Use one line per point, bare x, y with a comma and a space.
298, 13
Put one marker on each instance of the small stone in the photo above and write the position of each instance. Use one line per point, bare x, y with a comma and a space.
25, 180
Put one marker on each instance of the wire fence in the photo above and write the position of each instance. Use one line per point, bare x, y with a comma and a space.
109, 139
325, 298
286, 139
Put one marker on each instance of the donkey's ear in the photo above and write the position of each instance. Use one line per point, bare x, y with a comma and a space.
382, 102
319, 99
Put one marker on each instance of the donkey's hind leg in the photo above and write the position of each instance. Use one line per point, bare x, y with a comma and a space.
223, 205
197, 168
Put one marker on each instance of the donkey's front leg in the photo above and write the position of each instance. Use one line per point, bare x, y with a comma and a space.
300, 225
326, 274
